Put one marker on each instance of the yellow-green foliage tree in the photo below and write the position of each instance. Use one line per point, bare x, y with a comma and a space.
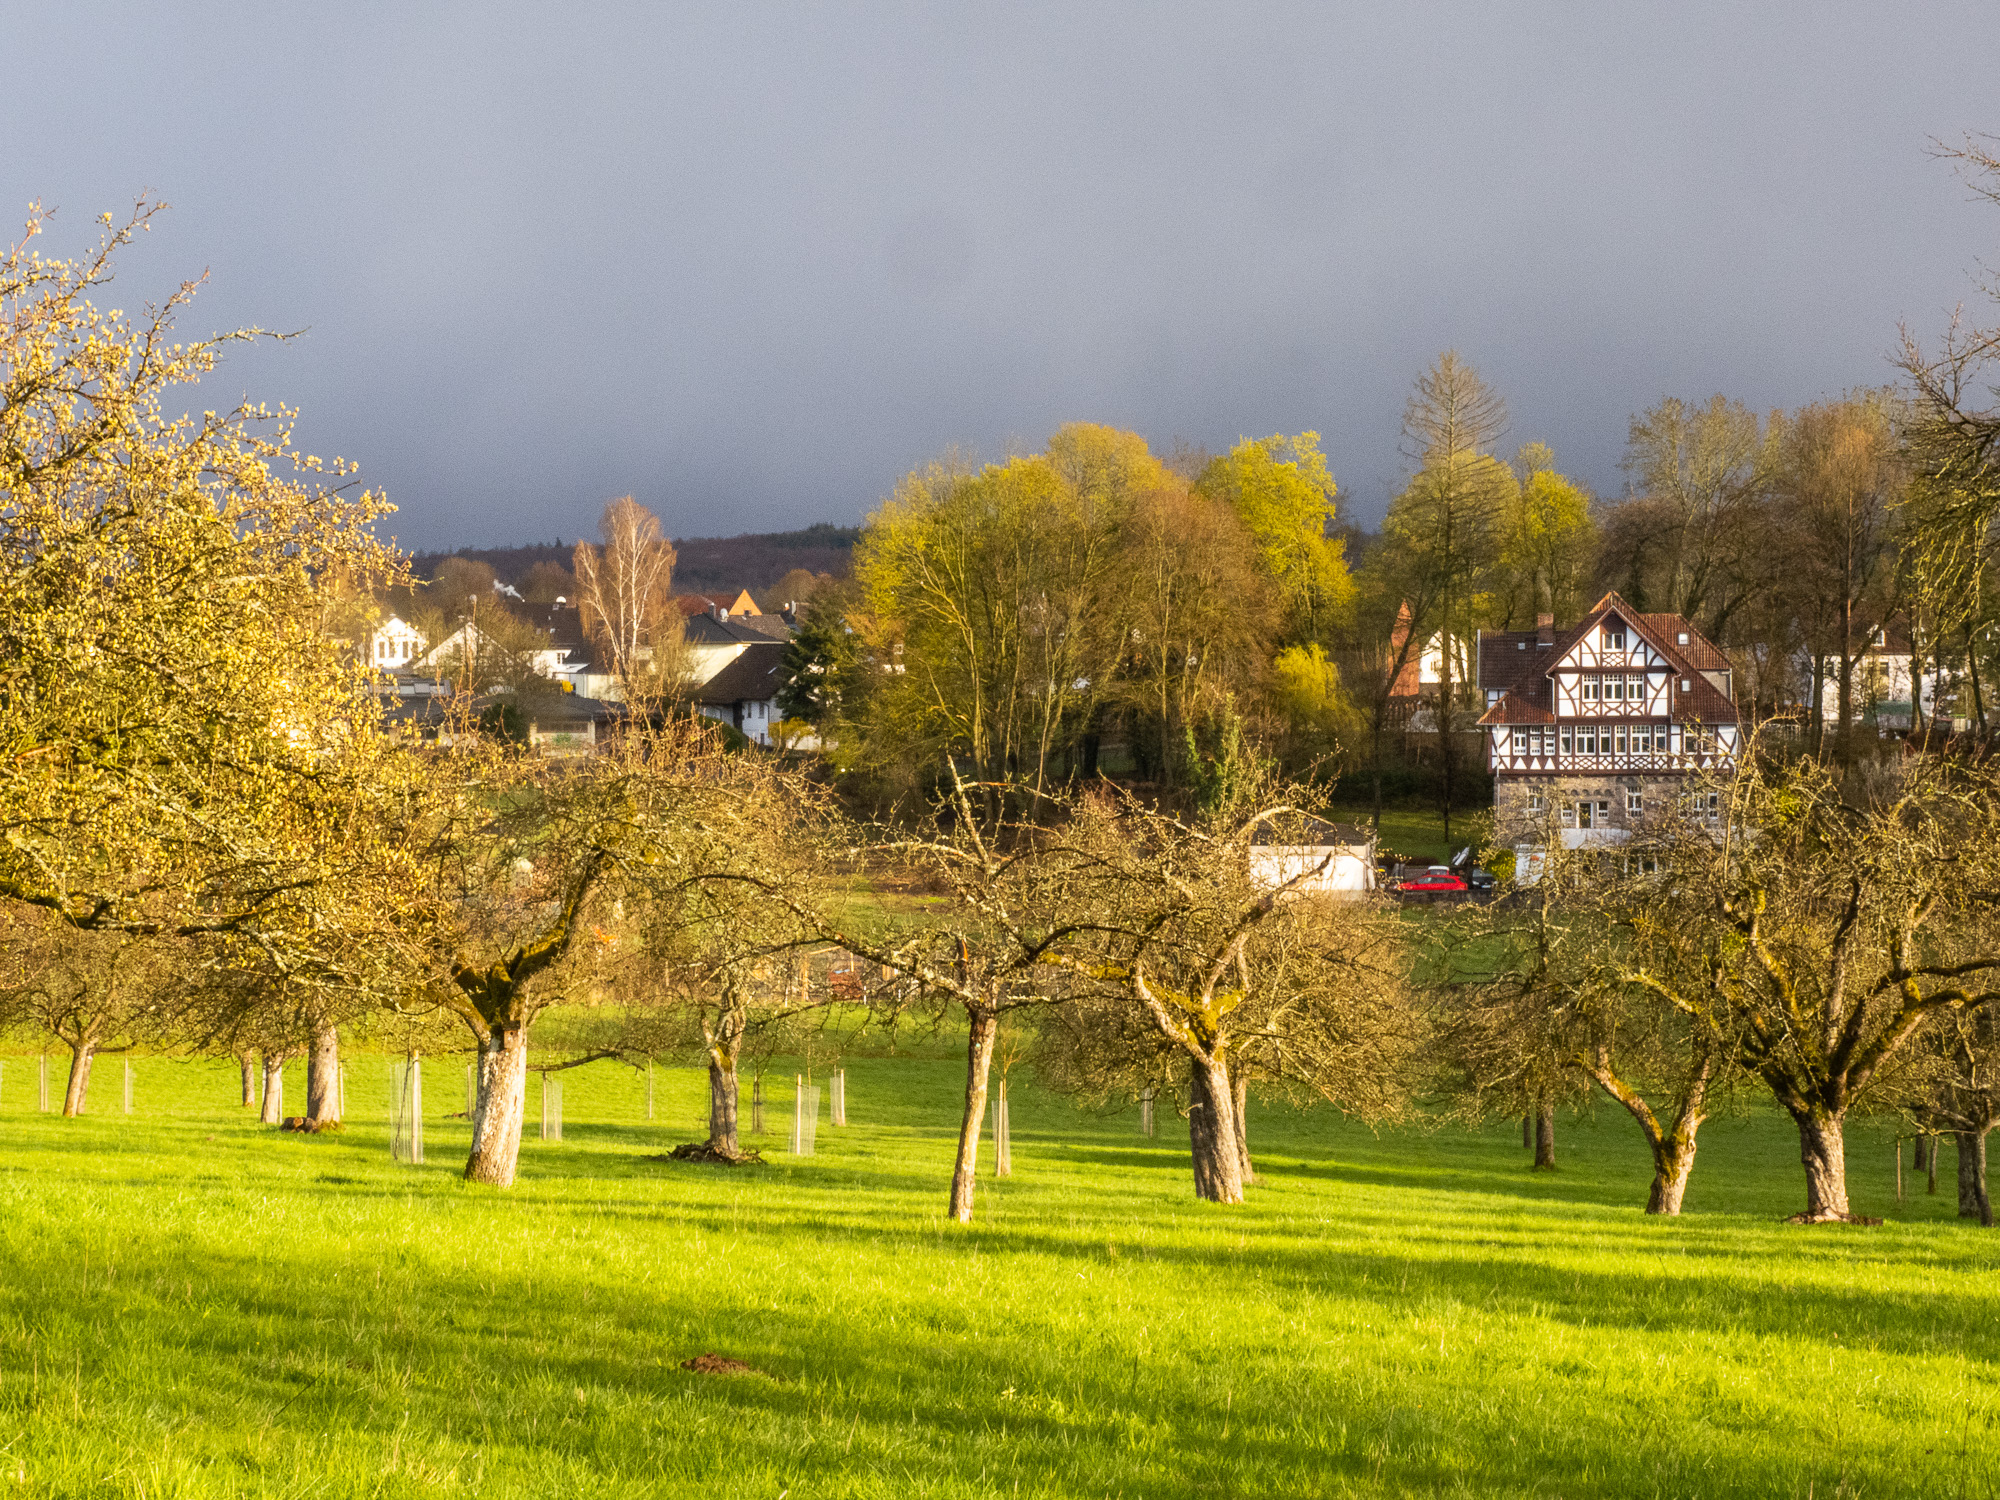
174, 696
1547, 544
1283, 492
993, 605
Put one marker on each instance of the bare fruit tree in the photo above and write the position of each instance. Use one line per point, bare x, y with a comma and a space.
1190, 958
1816, 942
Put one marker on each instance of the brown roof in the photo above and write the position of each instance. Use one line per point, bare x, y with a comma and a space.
1697, 655
1506, 657
1703, 703
1522, 675
753, 676
1516, 708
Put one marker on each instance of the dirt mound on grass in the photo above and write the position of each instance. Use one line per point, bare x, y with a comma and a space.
703, 1151
310, 1127
719, 1364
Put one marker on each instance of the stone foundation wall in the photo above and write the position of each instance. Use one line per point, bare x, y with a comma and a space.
1516, 822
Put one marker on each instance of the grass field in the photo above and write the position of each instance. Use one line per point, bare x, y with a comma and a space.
192, 1305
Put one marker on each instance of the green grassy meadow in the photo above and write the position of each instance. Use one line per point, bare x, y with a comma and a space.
194, 1305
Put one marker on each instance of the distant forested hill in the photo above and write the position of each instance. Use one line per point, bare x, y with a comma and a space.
755, 560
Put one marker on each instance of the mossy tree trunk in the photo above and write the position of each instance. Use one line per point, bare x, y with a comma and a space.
724, 1036
248, 1062
1545, 1134
1673, 1144
1218, 1160
323, 1078
1823, 1151
1973, 1202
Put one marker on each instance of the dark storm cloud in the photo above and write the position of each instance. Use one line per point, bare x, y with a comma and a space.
751, 264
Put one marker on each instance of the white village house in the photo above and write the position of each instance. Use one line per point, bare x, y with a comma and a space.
1621, 718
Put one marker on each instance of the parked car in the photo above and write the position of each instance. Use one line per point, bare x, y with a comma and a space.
1436, 879
1481, 881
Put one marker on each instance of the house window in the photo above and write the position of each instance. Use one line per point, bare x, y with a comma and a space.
1621, 739
1589, 689
1569, 817
1586, 740
1635, 689
1567, 736
1683, 638
1593, 814
1520, 742
1537, 802
1614, 640
1635, 803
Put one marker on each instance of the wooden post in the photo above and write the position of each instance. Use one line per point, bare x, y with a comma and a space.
798, 1108
1930, 1163
757, 1105
1899, 1169
1003, 1141
128, 1086
416, 1110
837, 1100
45, 1083
1146, 1112
649, 1088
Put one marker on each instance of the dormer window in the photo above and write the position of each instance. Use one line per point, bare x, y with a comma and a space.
1682, 638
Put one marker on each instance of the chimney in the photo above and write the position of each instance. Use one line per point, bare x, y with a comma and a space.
1545, 631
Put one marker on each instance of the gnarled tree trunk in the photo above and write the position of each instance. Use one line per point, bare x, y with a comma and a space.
273, 1112
722, 1096
1823, 1151
1673, 1149
725, 1044
1972, 1200
983, 1026
503, 1093
80, 1055
248, 1062
1545, 1134
323, 1079
1673, 1163
1218, 1162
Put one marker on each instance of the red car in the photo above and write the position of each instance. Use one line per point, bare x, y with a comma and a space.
1435, 879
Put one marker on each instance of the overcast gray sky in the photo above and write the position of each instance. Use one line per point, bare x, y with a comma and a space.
751, 263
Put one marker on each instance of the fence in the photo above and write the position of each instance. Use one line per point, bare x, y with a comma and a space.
406, 1110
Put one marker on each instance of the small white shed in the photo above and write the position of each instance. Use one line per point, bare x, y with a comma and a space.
1335, 859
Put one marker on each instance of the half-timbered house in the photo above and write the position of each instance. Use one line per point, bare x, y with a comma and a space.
1620, 718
